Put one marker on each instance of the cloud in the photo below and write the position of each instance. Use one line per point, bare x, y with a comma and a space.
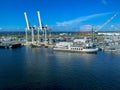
86, 28
115, 27
80, 19
112, 26
83, 23
104, 2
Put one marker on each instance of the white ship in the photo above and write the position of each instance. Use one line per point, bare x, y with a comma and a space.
68, 46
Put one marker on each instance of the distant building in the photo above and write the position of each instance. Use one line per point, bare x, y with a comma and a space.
109, 33
82, 39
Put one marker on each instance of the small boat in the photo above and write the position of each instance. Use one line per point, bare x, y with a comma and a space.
68, 46
35, 45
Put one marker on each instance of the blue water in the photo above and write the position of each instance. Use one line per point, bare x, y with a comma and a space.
44, 69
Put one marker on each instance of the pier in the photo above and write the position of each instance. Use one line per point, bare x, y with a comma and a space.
10, 44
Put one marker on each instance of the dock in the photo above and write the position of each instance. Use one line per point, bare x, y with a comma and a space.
10, 44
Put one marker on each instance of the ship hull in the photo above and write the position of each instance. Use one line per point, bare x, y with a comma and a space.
94, 51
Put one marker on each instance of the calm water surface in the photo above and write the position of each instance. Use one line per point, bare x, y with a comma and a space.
44, 69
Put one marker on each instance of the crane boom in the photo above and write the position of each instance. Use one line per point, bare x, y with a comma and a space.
107, 21
40, 23
27, 22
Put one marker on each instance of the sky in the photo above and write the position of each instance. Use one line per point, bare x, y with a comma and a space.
61, 15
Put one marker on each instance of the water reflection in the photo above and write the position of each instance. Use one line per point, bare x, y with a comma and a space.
73, 56
43, 69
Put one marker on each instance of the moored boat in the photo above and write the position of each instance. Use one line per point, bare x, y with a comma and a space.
75, 48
